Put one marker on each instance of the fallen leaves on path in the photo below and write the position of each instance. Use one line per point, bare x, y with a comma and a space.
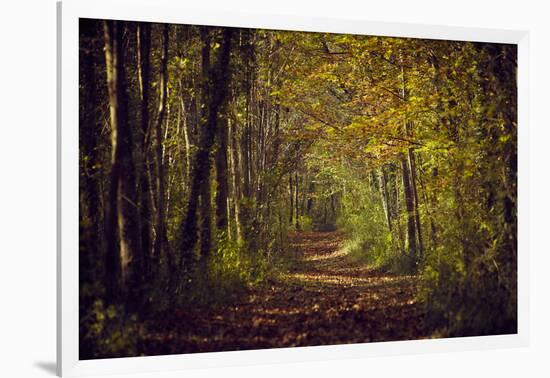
326, 299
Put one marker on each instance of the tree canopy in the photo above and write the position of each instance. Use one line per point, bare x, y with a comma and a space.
208, 154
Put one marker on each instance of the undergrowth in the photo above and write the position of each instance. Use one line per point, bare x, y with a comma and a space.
368, 239
108, 331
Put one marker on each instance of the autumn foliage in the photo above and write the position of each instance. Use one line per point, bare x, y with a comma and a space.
245, 189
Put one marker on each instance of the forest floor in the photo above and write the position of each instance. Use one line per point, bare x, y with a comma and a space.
326, 298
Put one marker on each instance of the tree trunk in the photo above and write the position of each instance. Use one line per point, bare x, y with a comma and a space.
221, 176
412, 168
297, 203
187, 142
414, 237
205, 196
291, 196
431, 205
398, 206
409, 205
201, 173
160, 221
144, 52
384, 196
236, 179
311, 190
247, 51
123, 210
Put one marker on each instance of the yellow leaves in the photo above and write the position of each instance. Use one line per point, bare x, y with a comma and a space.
505, 138
415, 99
182, 63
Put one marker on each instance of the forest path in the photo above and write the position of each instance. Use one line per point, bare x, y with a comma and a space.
325, 299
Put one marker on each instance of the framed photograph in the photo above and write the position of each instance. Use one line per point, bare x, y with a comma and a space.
241, 188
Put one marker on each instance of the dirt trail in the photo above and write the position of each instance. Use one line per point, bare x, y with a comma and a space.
325, 299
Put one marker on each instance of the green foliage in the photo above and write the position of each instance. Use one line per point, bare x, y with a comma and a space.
231, 269
368, 239
306, 223
222, 278
108, 331
396, 142
466, 302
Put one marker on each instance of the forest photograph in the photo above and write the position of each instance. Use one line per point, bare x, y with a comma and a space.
249, 189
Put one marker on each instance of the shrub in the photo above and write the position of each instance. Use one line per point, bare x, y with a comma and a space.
107, 331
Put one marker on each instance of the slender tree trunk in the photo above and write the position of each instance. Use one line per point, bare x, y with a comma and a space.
187, 142
311, 190
246, 159
291, 196
248, 55
412, 168
414, 237
297, 202
384, 196
123, 210
236, 179
144, 48
277, 139
398, 206
205, 196
333, 207
201, 173
409, 205
160, 221
205, 229
429, 208
221, 176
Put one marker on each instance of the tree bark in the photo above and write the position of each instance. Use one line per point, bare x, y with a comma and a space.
217, 92
187, 142
160, 221
144, 70
291, 196
412, 167
384, 196
236, 179
205, 196
414, 238
409, 205
123, 210
221, 176
397, 208
297, 202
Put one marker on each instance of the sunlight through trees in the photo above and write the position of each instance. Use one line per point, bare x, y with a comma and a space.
205, 152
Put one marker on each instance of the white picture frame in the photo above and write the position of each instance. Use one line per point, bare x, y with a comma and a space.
171, 11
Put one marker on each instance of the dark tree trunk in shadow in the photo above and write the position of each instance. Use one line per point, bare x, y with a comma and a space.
144, 70
217, 92
160, 221
123, 211
221, 176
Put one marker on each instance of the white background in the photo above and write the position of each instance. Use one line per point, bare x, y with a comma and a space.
27, 189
